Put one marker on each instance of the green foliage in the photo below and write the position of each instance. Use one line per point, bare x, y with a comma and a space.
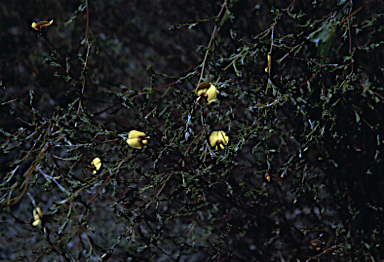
303, 161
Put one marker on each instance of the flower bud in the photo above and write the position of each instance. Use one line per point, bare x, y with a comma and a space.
37, 26
37, 216
218, 138
137, 139
207, 90
267, 177
96, 165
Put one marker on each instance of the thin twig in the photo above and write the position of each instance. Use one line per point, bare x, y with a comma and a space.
28, 173
215, 30
349, 36
87, 28
356, 11
322, 253
170, 174
85, 65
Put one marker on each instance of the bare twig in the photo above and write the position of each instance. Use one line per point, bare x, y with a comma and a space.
87, 28
349, 35
322, 253
170, 174
28, 173
215, 30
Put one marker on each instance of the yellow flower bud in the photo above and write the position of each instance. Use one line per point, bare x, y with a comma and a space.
218, 138
39, 25
36, 223
207, 90
37, 216
268, 68
135, 134
274, 177
96, 165
202, 88
137, 139
211, 93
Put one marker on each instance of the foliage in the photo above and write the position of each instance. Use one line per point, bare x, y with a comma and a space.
299, 95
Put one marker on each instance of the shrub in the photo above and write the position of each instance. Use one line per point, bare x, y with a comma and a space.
110, 151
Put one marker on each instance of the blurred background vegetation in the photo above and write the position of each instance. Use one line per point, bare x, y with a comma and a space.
300, 95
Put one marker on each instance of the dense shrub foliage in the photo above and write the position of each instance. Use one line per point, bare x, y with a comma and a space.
110, 152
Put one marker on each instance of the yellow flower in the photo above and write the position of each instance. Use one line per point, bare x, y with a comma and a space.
39, 25
207, 90
218, 138
268, 68
275, 177
37, 216
96, 165
137, 139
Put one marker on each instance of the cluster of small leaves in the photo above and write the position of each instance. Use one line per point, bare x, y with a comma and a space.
300, 95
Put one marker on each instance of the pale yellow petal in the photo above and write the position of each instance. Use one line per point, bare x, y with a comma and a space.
137, 139
211, 93
96, 163
145, 141
218, 139
36, 223
37, 26
135, 143
38, 212
135, 134
213, 138
37, 216
202, 88
201, 91
223, 137
267, 69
